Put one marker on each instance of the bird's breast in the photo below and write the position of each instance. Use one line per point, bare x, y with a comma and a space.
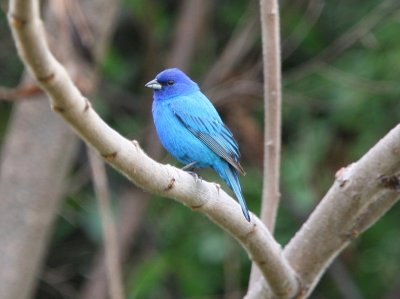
177, 139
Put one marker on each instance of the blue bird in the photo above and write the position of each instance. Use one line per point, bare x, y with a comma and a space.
191, 130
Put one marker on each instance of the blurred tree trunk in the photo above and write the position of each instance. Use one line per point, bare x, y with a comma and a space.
37, 152
39, 148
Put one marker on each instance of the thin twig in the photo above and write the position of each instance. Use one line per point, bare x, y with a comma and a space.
190, 25
298, 35
132, 206
109, 230
23, 92
240, 43
353, 81
345, 41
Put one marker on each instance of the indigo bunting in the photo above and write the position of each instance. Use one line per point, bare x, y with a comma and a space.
191, 130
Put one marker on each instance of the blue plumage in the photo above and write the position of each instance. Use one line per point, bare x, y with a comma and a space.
191, 130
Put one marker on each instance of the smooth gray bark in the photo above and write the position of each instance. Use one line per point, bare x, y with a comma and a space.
36, 155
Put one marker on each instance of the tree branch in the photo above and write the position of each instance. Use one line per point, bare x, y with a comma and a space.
127, 157
110, 240
272, 103
132, 205
298, 35
240, 43
34, 165
272, 111
26, 91
178, 57
357, 199
190, 25
381, 12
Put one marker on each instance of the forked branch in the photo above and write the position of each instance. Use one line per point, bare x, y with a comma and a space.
361, 194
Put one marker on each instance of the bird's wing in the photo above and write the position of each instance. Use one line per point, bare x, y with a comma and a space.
199, 116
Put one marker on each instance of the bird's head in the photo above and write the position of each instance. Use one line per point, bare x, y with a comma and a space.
171, 83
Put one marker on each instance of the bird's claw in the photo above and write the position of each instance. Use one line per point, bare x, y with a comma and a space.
189, 167
197, 178
218, 186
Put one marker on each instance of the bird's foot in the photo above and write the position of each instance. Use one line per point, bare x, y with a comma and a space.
197, 178
218, 186
189, 167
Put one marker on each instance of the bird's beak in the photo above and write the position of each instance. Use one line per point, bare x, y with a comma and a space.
153, 84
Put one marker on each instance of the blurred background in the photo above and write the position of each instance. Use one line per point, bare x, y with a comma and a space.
340, 63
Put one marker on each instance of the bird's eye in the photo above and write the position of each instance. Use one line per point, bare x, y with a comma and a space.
170, 82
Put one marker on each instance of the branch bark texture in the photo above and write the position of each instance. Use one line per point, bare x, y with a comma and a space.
127, 157
37, 153
357, 199
272, 110
132, 210
32, 170
110, 240
339, 218
272, 103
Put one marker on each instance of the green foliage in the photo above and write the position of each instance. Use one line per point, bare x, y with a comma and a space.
335, 107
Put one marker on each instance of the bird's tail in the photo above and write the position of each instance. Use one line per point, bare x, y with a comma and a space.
230, 175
